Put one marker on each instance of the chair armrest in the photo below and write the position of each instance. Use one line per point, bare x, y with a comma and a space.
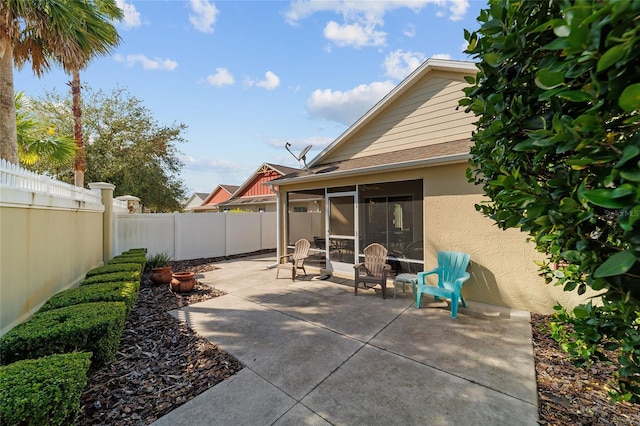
458, 283
387, 267
358, 265
421, 275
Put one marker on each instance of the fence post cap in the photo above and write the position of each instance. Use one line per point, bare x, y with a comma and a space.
101, 185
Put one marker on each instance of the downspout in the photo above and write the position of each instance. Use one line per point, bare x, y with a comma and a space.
278, 227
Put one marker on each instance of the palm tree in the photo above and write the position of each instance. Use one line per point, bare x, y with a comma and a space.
67, 32
40, 143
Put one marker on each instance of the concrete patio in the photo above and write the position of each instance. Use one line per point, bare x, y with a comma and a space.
315, 354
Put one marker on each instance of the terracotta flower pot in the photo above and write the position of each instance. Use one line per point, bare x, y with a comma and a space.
161, 275
183, 282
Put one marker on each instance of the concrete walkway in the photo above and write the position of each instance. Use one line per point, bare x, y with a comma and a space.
315, 354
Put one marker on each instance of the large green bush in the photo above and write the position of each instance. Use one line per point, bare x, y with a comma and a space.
125, 276
92, 327
43, 391
557, 150
116, 267
126, 292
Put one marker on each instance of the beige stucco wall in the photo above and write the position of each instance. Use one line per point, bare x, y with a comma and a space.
502, 267
43, 251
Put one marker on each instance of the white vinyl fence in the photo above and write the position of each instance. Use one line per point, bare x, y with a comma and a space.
195, 235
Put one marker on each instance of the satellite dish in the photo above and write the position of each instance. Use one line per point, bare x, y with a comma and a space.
302, 156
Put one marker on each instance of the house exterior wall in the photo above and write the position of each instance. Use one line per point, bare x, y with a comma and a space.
219, 197
502, 267
426, 115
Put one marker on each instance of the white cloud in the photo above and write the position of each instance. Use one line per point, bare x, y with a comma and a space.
410, 30
222, 77
458, 9
400, 64
366, 13
147, 64
204, 15
270, 82
131, 16
347, 107
356, 35
441, 56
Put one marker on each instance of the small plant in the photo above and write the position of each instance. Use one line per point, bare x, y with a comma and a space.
157, 260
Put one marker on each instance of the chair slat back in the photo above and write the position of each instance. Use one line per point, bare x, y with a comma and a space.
301, 251
375, 257
451, 265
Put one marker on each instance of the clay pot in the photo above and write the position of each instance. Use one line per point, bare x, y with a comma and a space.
161, 275
183, 282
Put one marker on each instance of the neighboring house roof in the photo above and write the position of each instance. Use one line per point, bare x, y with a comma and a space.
255, 189
195, 200
220, 194
417, 124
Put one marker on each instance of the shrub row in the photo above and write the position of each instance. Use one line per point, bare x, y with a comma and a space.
94, 327
110, 277
114, 267
43, 391
119, 291
45, 360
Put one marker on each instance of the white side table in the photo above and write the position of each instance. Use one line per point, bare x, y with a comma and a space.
405, 279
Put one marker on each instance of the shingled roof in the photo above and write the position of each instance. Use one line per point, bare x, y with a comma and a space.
446, 152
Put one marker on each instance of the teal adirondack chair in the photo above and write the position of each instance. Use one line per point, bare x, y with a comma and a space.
452, 273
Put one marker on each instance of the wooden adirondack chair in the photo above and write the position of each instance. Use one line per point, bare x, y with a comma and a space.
452, 274
295, 260
374, 269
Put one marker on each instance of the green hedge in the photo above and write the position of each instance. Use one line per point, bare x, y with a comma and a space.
43, 391
126, 292
125, 276
93, 327
129, 258
116, 267
142, 251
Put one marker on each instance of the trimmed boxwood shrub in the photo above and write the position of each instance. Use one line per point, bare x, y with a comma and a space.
136, 251
135, 258
126, 292
93, 327
116, 267
43, 391
125, 276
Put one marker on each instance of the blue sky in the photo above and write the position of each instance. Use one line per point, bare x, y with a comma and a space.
246, 77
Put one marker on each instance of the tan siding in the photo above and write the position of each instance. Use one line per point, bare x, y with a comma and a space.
425, 116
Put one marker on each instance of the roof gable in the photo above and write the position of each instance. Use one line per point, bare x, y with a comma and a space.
421, 110
254, 185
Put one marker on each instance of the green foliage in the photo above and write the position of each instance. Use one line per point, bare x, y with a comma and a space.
114, 267
557, 149
126, 292
43, 391
140, 259
613, 327
39, 143
158, 260
91, 327
124, 276
128, 147
140, 250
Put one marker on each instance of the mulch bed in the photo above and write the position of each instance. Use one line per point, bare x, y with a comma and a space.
570, 395
162, 364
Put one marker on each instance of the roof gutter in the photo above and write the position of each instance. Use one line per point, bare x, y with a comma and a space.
429, 162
